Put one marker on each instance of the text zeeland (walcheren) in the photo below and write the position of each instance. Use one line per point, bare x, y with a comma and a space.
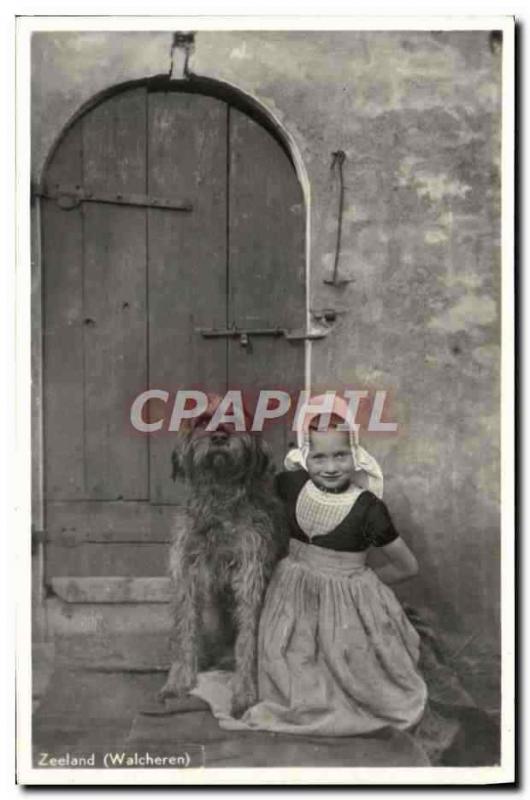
187, 756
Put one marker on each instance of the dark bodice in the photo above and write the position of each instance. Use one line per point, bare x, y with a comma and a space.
367, 524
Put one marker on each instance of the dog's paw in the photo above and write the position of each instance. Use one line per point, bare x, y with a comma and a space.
244, 696
179, 682
171, 689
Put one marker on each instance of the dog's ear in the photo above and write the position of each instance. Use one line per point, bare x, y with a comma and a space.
262, 457
178, 453
176, 466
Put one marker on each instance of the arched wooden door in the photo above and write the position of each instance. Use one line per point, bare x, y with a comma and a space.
163, 212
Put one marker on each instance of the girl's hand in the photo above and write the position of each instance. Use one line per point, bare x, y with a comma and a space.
402, 562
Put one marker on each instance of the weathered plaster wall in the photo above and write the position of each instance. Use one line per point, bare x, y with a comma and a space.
418, 115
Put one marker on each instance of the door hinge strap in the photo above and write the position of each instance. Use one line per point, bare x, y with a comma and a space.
69, 197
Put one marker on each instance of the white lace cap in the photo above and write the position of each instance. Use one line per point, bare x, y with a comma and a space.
370, 474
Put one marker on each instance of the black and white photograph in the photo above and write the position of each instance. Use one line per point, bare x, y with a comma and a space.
269, 276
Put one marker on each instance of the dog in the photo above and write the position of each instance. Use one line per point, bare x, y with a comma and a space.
224, 548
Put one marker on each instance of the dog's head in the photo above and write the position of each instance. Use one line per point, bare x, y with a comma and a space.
219, 453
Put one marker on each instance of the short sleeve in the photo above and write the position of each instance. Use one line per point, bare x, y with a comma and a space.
379, 529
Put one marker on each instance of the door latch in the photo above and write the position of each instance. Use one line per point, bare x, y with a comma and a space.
244, 335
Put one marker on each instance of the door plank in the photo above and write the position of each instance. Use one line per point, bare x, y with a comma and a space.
106, 558
63, 377
267, 267
112, 590
187, 258
114, 153
108, 538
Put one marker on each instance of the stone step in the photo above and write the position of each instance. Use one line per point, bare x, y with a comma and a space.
90, 618
114, 652
82, 709
262, 749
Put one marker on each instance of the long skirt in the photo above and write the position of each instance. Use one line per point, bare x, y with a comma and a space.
337, 655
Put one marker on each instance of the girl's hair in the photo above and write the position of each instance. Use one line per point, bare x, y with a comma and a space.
334, 421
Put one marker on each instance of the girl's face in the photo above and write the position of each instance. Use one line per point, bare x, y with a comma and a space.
330, 461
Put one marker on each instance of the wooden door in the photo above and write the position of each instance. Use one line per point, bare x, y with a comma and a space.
127, 285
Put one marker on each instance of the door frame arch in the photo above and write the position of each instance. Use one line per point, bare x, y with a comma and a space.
244, 102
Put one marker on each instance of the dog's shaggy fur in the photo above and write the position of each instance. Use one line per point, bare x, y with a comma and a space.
222, 555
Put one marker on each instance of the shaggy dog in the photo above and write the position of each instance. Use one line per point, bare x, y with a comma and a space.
222, 555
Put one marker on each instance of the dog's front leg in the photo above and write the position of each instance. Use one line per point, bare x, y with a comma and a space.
183, 638
248, 589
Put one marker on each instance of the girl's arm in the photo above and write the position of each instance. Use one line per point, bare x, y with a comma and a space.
401, 565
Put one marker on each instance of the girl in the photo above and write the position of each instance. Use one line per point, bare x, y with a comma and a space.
337, 655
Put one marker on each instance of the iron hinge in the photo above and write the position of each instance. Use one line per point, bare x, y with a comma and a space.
69, 197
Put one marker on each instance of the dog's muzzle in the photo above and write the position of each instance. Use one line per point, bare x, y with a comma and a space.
217, 452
